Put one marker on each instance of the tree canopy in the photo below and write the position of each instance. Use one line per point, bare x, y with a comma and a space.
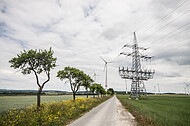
111, 90
87, 80
75, 77
36, 61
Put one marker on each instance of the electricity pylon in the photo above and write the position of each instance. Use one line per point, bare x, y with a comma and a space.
106, 68
136, 74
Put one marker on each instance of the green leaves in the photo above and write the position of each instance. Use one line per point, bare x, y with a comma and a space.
33, 60
87, 81
75, 77
70, 73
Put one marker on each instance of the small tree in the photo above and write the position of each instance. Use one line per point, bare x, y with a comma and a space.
86, 82
36, 62
75, 77
102, 91
98, 89
93, 88
111, 90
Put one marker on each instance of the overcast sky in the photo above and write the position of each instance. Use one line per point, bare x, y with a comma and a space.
80, 31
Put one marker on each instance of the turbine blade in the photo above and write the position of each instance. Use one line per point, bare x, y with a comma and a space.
94, 72
111, 62
103, 59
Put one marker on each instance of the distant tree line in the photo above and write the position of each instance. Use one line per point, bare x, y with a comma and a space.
42, 61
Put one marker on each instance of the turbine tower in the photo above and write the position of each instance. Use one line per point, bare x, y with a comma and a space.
136, 74
105, 67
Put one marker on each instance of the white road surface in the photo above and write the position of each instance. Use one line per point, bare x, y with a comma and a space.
109, 113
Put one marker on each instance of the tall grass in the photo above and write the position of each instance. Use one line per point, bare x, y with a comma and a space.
160, 110
51, 113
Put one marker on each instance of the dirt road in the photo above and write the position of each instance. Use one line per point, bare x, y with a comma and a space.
109, 113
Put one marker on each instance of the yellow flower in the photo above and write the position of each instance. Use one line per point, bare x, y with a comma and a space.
82, 106
59, 113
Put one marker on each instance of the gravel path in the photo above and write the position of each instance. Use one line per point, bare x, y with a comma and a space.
109, 113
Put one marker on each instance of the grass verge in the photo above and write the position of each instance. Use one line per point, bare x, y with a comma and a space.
159, 110
50, 114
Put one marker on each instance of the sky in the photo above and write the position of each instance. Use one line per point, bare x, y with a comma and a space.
80, 31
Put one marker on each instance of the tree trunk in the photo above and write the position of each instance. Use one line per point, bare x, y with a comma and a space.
74, 96
93, 95
87, 93
38, 97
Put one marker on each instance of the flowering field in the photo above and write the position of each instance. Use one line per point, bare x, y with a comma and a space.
10, 102
50, 113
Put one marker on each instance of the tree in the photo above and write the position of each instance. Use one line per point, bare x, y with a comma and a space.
93, 88
75, 77
86, 82
111, 90
36, 61
98, 89
102, 91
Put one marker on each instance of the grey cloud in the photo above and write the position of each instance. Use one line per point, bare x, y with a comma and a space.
78, 41
167, 74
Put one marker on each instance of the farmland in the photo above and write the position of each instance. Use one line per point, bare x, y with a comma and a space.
9, 102
161, 110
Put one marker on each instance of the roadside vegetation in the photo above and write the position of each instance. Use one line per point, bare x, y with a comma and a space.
159, 110
51, 113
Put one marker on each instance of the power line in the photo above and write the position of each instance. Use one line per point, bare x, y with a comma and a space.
168, 50
167, 24
150, 18
169, 33
165, 16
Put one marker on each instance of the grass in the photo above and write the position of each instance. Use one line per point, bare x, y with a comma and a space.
160, 110
51, 113
10, 102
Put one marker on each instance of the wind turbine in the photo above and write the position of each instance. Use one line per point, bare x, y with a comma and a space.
187, 88
95, 75
105, 67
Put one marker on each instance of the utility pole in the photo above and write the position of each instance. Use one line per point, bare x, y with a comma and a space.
126, 85
136, 74
154, 89
158, 88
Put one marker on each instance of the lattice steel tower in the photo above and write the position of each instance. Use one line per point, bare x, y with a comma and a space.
136, 74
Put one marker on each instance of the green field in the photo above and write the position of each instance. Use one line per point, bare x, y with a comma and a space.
161, 110
10, 102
